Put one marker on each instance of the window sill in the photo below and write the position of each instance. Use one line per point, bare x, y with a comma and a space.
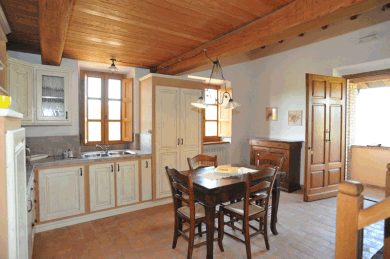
216, 142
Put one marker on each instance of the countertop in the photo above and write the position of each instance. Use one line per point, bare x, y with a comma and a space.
59, 161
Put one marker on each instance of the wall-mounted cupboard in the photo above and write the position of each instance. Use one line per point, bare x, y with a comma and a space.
40, 92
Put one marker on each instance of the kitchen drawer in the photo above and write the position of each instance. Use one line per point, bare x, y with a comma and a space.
269, 144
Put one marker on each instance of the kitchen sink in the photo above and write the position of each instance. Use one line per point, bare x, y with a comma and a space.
111, 153
121, 152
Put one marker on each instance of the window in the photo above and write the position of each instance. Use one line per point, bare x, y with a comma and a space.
217, 121
372, 126
211, 116
107, 109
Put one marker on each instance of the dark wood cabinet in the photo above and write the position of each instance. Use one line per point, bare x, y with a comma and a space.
291, 150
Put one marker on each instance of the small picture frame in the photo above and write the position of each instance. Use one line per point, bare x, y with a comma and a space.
294, 118
271, 114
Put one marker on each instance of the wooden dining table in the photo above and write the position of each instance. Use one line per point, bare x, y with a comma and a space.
211, 192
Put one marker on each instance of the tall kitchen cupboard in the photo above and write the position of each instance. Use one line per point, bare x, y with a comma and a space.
169, 125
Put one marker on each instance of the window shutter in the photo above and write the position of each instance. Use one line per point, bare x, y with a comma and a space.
224, 116
127, 109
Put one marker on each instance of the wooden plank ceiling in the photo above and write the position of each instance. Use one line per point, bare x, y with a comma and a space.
167, 36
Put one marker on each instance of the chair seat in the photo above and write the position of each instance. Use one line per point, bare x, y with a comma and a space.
238, 208
199, 211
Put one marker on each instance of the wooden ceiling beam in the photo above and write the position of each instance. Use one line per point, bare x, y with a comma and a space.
54, 17
297, 17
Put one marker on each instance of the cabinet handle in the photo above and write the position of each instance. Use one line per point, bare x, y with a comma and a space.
66, 115
146, 164
182, 141
118, 168
112, 168
31, 206
178, 141
81, 171
32, 224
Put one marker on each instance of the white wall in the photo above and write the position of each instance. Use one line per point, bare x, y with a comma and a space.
75, 65
279, 80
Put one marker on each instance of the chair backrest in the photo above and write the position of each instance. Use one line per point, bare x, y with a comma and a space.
261, 181
182, 189
202, 160
269, 159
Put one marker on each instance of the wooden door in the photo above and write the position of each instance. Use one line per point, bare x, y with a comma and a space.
325, 136
167, 112
190, 127
61, 193
127, 182
146, 179
101, 186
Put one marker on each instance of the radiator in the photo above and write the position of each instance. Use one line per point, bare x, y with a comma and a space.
221, 150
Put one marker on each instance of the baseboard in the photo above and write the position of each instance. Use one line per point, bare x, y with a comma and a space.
99, 215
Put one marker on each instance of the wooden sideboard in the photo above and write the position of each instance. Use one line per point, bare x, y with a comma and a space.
291, 150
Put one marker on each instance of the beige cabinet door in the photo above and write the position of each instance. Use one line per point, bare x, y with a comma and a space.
61, 192
146, 179
21, 89
167, 136
101, 186
190, 126
127, 182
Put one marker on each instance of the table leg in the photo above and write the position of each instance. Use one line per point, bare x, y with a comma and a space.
210, 227
275, 205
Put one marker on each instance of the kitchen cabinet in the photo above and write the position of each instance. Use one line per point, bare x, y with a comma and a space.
146, 179
175, 126
101, 186
290, 150
127, 182
21, 89
52, 94
61, 192
40, 92
178, 132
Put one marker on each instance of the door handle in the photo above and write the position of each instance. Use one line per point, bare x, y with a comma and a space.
146, 164
31, 206
112, 168
178, 141
118, 168
66, 115
182, 141
81, 171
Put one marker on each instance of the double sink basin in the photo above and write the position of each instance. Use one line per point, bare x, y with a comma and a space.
110, 153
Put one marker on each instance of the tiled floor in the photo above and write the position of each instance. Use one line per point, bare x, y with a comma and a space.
306, 230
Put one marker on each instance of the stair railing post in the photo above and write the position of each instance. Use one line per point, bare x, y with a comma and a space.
349, 240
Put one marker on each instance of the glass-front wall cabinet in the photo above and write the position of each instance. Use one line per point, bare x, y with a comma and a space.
52, 95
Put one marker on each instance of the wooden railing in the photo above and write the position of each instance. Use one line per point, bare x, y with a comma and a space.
351, 219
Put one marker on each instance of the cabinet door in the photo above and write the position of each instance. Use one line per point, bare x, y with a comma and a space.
52, 91
167, 136
127, 182
61, 192
146, 179
101, 186
190, 127
21, 90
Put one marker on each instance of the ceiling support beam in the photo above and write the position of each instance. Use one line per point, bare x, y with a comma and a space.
295, 18
54, 17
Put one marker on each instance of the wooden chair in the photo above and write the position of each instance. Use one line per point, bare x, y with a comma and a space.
247, 210
202, 160
185, 208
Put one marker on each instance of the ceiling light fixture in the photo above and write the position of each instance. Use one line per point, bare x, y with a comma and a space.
113, 68
230, 104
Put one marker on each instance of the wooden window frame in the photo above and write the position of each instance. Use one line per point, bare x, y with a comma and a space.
216, 138
104, 108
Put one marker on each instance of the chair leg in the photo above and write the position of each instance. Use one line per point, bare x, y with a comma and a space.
200, 229
175, 232
247, 239
191, 240
266, 232
221, 225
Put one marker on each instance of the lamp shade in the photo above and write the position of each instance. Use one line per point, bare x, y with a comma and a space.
231, 104
200, 103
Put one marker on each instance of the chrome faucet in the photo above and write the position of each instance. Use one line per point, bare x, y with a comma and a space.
103, 147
